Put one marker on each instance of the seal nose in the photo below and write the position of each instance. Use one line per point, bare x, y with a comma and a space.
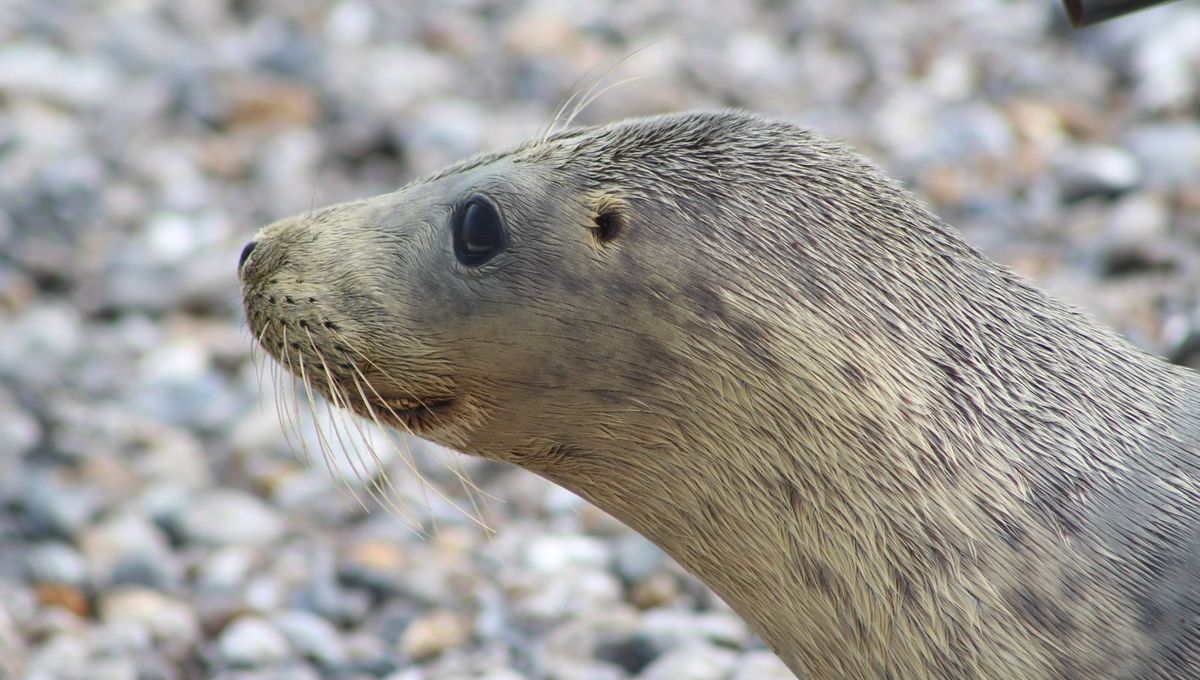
246, 254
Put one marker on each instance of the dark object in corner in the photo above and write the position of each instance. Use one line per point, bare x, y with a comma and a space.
1088, 12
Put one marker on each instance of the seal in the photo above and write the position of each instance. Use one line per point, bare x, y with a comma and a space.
893, 457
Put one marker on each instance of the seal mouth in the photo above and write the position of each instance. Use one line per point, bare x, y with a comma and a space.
416, 414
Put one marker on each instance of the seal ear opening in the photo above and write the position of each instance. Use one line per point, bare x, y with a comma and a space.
610, 219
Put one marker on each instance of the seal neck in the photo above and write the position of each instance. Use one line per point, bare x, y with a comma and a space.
845, 503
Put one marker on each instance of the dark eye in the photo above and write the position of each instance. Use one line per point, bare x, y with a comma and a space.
478, 232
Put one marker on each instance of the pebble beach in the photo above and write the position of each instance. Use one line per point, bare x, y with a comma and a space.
174, 507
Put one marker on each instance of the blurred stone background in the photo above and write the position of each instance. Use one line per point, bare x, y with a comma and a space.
154, 521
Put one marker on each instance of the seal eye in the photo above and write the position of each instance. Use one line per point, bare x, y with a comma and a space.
478, 233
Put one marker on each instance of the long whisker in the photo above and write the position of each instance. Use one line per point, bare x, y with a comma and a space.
377, 490
326, 449
454, 464
565, 102
575, 92
383, 492
410, 461
348, 453
289, 417
461, 475
388, 483
292, 420
403, 452
257, 357
258, 361
408, 458
584, 103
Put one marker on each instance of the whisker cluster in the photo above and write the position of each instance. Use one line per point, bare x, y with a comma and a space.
344, 442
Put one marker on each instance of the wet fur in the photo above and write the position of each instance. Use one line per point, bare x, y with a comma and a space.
892, 456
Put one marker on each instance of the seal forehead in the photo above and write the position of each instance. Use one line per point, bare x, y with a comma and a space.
660, 138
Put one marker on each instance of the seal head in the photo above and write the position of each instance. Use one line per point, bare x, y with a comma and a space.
892, 456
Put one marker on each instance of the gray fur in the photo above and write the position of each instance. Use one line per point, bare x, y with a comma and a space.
891, 455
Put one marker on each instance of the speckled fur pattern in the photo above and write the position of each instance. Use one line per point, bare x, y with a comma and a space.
892, 456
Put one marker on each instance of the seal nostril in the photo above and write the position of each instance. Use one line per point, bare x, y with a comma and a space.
246, 253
